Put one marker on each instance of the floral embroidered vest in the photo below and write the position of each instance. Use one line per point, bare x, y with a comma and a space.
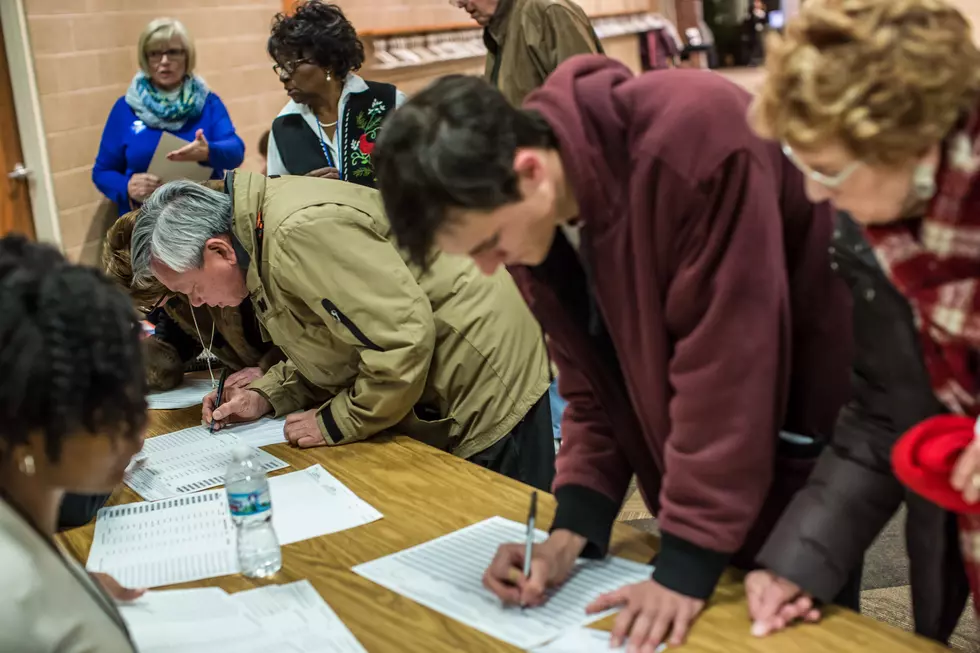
300, 149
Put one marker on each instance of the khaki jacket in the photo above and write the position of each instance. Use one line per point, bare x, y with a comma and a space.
450, 357
527, 39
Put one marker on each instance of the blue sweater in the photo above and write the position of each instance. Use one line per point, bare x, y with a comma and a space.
128, 145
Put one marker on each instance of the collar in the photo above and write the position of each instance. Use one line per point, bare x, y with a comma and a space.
244, 258
352, 85
500, 20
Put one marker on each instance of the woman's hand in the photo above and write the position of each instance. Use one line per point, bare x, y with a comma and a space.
197, 150
966, 473
775, 603
141, 185
324, 173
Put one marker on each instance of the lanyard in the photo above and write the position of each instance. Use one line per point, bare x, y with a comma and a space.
323, 144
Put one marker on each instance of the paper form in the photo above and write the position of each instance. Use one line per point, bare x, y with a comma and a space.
187, 461
180, 619
446, 574
260, 433
311, 503
168, 170
165, 542
584, 640
189, 393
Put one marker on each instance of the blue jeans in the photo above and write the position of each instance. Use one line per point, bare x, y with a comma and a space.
557, 408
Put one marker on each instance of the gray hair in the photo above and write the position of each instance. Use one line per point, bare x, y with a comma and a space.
174, 224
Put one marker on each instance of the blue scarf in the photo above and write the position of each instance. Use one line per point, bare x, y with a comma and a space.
158, 111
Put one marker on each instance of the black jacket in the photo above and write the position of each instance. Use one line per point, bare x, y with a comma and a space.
853, 494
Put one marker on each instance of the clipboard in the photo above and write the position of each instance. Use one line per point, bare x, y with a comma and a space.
168, 170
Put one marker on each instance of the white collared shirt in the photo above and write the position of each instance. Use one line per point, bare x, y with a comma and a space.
353, 84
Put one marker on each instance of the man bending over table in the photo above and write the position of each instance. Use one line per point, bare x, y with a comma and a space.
449, 357
684, 282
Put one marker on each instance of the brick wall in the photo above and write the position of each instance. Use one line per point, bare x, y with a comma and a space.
85, 56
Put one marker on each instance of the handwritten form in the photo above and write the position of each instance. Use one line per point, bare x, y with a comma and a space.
260, 433
165, 542
187, 461
187, 538
446, 574
291, 618
190, 393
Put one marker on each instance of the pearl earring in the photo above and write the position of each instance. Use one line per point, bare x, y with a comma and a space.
27, 465
924, 181
329, 77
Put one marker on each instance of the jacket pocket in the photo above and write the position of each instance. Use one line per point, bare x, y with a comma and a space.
425, 425
331, 308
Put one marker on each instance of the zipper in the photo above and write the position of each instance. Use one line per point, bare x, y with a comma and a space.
335, 313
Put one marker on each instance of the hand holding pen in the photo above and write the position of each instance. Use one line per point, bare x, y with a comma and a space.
217, 400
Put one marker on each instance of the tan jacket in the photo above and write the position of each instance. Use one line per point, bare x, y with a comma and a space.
49, 602
450, 357
528, 39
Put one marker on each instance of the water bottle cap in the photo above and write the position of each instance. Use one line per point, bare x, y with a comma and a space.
241, 451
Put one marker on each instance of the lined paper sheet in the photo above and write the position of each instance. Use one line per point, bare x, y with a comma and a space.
446, 574
583, 640
311, 502
165, 542
187, 461
189, 393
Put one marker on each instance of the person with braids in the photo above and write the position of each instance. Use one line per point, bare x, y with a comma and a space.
877, 102
333, 117
72, 415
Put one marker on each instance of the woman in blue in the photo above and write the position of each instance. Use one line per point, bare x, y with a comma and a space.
165, 95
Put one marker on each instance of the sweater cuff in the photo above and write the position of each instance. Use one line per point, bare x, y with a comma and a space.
588, 513
687, 568
329, 428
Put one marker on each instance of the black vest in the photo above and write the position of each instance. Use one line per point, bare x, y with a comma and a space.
300, 148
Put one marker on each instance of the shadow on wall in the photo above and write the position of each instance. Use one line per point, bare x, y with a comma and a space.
104, 216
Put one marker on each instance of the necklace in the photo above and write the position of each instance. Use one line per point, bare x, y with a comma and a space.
210, 344
327, 124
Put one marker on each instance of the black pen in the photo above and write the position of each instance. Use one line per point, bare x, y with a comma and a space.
217, 399
532, 514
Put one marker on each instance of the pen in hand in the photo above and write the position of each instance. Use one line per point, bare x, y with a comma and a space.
217, 399
529, 541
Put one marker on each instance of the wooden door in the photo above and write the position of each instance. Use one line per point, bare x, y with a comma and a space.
15, 199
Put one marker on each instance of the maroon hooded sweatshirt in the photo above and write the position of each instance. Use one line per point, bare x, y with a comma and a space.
698, 319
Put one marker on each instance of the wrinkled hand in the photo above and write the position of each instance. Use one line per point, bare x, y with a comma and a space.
302, 430
324, 173
243, 377
197, 150
114, 589
966, 473
141, 185
649, 613
237, 405
775, 603
551, 563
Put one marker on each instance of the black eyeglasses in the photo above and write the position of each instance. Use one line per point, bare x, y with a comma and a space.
156, 56
289, 67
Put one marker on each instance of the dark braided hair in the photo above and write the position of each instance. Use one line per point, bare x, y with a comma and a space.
69, 350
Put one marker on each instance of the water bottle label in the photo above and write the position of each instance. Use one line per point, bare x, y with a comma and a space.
249, 503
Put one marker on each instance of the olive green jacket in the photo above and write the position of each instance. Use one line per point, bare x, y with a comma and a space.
450, 357
527, 39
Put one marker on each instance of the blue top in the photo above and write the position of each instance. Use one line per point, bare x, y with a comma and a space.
128, 145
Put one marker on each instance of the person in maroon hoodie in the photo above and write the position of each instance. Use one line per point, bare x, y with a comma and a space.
684, 283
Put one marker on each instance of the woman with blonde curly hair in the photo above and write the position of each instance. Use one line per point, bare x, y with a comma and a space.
877, 102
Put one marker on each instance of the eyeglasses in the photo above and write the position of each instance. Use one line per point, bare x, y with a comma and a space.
830, 181
175, 54
288, 68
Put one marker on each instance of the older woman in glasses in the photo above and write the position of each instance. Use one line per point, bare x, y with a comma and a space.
878, 103
165, 95
333, 117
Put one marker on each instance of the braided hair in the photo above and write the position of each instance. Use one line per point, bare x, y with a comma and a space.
69, 350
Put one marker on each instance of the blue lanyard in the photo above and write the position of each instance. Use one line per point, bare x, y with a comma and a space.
323, 145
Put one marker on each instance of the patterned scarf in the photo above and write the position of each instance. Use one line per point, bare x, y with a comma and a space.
162, 111
935, 263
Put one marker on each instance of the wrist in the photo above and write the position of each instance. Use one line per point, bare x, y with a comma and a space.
566, 545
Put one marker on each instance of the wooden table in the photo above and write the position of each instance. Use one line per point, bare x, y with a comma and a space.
423, 494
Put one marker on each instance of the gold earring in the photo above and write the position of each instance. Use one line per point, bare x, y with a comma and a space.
27, 465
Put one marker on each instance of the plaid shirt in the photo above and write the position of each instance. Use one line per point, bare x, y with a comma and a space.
935, 263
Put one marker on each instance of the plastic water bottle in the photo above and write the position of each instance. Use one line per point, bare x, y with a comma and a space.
259, 553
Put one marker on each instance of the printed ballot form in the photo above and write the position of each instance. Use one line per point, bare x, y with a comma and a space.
189, 393
187, 461
446, 574
192, 537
